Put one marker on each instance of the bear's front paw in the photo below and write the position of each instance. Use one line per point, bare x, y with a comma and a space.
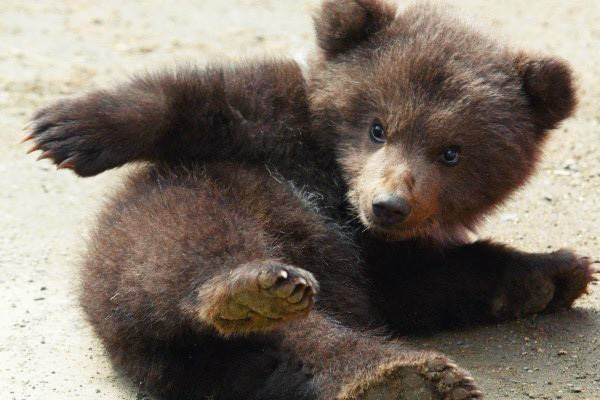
571, 278
260, 296
76, 134
546, 283
419, 376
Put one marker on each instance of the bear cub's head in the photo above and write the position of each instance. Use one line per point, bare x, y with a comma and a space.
434, 123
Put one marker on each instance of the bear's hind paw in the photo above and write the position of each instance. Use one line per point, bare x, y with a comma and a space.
429, 376
258, 296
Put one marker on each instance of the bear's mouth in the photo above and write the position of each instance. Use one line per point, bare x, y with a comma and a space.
399, 232
427, 229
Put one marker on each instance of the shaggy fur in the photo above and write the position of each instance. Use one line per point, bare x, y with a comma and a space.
249, 259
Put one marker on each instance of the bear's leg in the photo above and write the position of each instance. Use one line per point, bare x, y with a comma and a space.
475, 283
188, 114
349, 365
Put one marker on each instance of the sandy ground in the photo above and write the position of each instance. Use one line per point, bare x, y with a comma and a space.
49, 49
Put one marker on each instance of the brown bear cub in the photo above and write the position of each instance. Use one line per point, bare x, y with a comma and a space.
288, 225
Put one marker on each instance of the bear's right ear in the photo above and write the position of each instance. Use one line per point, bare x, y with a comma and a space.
343, 24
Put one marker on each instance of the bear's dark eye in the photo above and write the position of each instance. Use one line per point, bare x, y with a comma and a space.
377, 132
450, 156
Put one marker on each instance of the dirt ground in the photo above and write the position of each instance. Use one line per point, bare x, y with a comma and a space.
49, 49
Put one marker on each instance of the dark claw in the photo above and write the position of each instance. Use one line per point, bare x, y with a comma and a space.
34, 148
68, 163
27, 125
28, 137
45, 154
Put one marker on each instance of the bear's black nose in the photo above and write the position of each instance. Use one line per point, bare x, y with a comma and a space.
390, 210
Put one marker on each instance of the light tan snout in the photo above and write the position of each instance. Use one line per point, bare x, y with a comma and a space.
397, 193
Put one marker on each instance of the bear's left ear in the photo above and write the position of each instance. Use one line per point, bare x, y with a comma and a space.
548, 84
343, 24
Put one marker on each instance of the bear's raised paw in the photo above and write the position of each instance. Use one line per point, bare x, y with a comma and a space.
259, 296
84, 134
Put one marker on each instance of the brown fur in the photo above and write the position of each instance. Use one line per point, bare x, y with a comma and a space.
202, 271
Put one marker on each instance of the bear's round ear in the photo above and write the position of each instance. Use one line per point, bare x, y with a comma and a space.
343, 24
548, 84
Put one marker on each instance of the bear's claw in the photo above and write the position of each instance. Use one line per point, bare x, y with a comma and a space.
68, 163
46, 154
280, 285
